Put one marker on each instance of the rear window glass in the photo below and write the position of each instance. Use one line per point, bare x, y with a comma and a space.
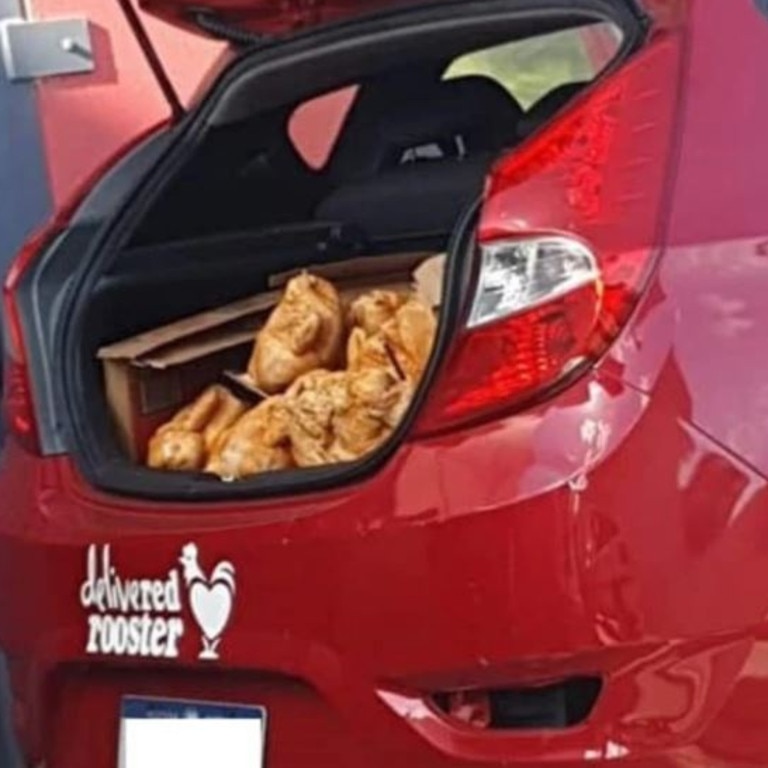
315, 125
528, 69
531, 68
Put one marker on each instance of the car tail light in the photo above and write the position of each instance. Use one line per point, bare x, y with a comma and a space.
18, 404
567, 234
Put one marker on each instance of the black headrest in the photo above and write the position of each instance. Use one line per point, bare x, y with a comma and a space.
547, 107
473, 114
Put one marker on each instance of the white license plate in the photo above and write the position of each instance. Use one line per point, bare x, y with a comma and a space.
158, 733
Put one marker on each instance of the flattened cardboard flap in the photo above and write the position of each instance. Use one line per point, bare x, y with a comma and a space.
192, 349
143, 343
364, 269
428, 279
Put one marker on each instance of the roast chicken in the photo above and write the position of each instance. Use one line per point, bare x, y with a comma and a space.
313, 401
377, 403
183, 443
315, 414
305, 331
364, 351
257, 442
391, 331
340, 416
410, 335
373, 309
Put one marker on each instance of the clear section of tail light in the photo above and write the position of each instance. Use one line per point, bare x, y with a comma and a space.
568, 231
517, 275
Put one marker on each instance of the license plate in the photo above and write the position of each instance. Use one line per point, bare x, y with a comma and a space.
158, 733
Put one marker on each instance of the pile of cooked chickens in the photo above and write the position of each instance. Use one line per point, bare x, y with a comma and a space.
338, 376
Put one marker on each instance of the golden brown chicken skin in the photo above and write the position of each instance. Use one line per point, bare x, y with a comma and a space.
257, 442
410, 336
183, 442
338, 416
392, 331
376, 403
312, 403
374, 308
305, 331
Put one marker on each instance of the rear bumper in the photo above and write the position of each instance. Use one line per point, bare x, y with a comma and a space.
589, 537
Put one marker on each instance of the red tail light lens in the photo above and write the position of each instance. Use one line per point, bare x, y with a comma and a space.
18, 404
567, 235
19, 412
505, 359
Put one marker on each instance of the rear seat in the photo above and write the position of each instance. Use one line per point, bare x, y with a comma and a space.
412, 168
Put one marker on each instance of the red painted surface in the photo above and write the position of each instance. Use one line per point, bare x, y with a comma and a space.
88, 119
272, 17
619, 529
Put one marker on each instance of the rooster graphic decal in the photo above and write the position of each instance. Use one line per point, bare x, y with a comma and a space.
210, 599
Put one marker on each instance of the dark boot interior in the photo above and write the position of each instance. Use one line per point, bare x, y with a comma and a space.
410, 159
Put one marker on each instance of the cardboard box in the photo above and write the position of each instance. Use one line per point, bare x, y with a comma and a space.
148, 377
428, 280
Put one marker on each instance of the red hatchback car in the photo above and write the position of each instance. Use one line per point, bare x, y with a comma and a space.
560, 555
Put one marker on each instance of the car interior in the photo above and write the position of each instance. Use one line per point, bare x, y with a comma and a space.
403, 166
412, 153
410, 158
